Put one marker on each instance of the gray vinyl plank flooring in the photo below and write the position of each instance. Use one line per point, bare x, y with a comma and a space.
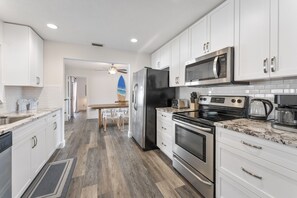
111, 165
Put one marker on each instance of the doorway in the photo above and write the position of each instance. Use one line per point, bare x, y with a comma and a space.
76, 96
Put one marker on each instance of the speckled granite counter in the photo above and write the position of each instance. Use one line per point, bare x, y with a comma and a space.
34, 115
260, 129
172, 110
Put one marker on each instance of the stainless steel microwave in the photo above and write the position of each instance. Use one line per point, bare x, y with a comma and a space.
213, 68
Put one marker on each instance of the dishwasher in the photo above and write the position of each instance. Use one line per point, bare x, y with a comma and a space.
5, 165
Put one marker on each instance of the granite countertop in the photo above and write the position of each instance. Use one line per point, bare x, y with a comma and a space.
34, 115
260, 129
172, 110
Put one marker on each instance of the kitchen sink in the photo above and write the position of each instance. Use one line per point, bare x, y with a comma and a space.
11, 119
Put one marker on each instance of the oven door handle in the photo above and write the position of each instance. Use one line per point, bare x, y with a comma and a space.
214, 67
194, 126
197, 177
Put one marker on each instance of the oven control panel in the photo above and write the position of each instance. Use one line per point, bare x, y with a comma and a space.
225, 101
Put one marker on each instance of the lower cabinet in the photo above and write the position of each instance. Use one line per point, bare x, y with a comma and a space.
33, 144
165, 133
252, 167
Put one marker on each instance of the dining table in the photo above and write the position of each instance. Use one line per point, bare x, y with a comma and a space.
107, 106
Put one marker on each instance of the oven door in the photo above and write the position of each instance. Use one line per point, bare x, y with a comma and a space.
213, 68
194, 144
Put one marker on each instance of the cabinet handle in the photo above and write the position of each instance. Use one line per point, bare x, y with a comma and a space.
204, 47
34, 143
272, 66
36, 140
265, 65
55, 126
207, 47
250, 173
37, 80
163, 144
164, 128
250, 145
54, 115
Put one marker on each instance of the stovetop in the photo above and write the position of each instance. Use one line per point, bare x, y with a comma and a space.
205, 117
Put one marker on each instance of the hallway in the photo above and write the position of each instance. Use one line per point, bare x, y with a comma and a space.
109, 164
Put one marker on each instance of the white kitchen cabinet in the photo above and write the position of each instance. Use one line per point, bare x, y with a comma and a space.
156, 59
32, 147
52, 132
283, 38
23, 56
165, 53
165, 133
179, 56
253, 45
213, 32
198, 38
21, 166
221, 26
256, 166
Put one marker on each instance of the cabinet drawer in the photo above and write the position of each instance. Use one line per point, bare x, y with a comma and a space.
228, 188
164, 142
260, 176
165, 117
53, 116
165, 127
274, 152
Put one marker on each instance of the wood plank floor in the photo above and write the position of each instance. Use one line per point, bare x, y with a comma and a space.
109, 164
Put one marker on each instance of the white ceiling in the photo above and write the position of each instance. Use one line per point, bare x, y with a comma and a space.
91, 65
110, 22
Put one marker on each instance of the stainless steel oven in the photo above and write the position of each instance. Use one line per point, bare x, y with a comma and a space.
213, 68
194, 154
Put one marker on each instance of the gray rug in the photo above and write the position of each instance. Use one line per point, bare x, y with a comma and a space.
52, 181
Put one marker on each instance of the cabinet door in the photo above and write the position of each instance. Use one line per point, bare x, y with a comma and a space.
253, 47
165, 53
221, 26
284, 46
51, 138
36, 59
183, 55
198, 38
156, 60
174, 67
38, 154
16, 55
21, 163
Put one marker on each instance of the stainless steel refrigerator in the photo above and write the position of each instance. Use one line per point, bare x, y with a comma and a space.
150, 90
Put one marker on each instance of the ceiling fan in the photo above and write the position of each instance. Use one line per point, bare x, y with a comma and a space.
114, 70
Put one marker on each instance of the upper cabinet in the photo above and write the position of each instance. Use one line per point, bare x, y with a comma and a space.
161, 58
265, 39
179, 56
23, 56
214, 31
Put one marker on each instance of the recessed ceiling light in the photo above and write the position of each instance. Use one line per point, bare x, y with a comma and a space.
52, 26
133, 40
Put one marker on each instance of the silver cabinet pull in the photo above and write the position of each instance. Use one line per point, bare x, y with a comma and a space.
207, 47
204, 47
55, 125
250, 173
272, 66
265, 65
37, 80
163, 144
164, 128
34, 143
250, 145
54, 115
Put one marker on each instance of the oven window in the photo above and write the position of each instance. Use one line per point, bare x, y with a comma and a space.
191, 141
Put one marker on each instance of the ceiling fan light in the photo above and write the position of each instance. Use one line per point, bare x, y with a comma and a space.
112, 70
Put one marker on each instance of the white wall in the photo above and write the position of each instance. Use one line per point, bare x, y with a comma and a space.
81, 93
52, 95
101, 86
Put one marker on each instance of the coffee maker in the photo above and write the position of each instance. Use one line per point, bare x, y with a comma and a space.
285, 114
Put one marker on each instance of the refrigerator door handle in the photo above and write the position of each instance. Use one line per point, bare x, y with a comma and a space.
135, 96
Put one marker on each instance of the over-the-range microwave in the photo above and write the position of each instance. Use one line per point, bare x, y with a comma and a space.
213, 68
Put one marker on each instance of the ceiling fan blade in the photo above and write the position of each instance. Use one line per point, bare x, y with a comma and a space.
123, 71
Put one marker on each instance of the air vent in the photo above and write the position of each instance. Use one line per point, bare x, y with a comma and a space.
97, 44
